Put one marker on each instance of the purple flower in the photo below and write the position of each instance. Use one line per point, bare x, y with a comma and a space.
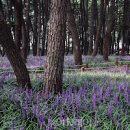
61, 115
101, 93
34, 109
120, 88
85, 104
18, 124
70, 127
57, 99
78, 101
13, 123
110, 109
50, 122
22, 127
26, 105
38, 111
126, 94
94, 100
73, 109
68, 103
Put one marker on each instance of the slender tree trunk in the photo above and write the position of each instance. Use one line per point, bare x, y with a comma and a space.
56, 46
28, 25
12, 53
126, 26
18, 22
39, 29
43, 28
45, 18
99, 29
34, 46
84, 23
107, 38
74, 33
102, 35
24, 48
93, 22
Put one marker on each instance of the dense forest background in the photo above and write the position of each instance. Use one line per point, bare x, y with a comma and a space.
55, 28
98, 26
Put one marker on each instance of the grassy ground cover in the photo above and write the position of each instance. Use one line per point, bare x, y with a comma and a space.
93, 100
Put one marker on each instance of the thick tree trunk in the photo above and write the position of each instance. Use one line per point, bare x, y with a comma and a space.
56, 46
107, 39
99, 29
20, 31
13, 55
74, 33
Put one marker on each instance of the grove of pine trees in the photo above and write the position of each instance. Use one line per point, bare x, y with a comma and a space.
58, 27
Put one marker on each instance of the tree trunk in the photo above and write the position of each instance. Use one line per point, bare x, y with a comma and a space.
126, 26
84, 25
56, 46
28, 25
13, 55
93, 22
99, 29
18, 22
45, 18
20, 31
74, 33
34, 45
24, 48
39, 29
107, 39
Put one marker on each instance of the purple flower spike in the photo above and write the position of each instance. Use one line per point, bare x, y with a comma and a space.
120, 88
107, 92
78, 101
126, 94
110, 109
101, 94
50, 123
70, 127
94, 100
27, 105
13, 123
34, 109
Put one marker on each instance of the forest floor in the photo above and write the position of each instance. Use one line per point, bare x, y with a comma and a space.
97, 99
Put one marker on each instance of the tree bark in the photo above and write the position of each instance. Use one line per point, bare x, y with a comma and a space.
74, 33
21, 40
107, 39
56, 46
13, 54
39, 29
99, 29
28, 25
18, 22
24, 48
93, 24
126, 26
34, 45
